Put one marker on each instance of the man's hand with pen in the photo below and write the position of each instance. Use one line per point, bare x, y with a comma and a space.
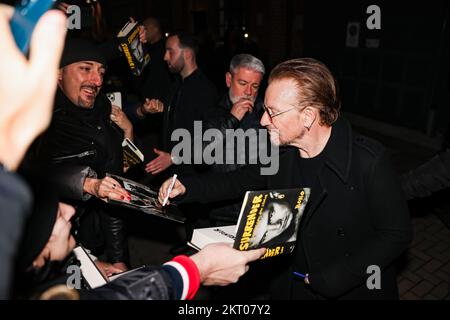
166, 192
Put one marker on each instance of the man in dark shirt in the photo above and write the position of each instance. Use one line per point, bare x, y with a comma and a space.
193, 95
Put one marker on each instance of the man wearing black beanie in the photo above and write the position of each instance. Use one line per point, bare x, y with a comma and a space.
82, 145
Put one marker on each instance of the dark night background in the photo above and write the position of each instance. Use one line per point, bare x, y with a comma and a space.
404, 81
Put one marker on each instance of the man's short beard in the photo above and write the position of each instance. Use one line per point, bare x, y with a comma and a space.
235, 99
178, 66
276, 139
84, 105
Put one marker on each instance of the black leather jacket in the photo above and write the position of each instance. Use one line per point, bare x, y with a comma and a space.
227, 212
84, 143
145, 283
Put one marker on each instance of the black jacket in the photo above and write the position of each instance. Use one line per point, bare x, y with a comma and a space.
156, 79
227, 212
154, 83
359, 218
220, 118
84, 143
192, 99
145, 283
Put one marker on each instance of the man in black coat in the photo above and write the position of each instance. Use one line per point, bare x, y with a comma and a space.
356, 222
82, 145
193, 96
240, 108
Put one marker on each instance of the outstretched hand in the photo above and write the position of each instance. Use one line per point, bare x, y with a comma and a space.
161, 163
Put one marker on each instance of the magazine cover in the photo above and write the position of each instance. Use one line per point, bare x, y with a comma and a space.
146, 200
270, 219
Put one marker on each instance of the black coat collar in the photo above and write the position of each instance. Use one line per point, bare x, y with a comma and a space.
101, 109
338, 151
338, 154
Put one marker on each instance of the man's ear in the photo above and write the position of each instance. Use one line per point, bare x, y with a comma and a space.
188, 54
228, 79
309, 117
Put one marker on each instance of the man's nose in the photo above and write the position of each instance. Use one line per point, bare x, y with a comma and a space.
97, 79
248, 91
265, 119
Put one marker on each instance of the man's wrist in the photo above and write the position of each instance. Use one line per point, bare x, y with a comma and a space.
129, 134
175, 159
88, 186
191, 279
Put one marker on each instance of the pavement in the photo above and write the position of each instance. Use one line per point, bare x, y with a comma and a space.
426, 273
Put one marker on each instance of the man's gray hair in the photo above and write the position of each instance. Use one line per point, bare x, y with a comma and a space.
246, 61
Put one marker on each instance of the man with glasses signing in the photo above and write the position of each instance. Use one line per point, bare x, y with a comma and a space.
356, 218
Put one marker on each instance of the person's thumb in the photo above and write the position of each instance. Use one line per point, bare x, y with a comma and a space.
158, 152
253, 255
47, 43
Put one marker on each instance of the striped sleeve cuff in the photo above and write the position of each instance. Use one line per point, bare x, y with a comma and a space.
189, 273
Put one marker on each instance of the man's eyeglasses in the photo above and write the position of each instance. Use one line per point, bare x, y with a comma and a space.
276, 114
